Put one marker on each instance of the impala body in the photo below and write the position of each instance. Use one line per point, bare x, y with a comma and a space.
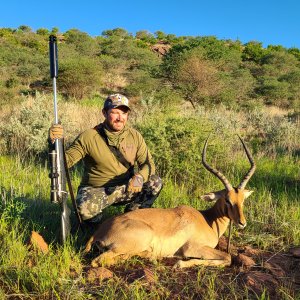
182, 232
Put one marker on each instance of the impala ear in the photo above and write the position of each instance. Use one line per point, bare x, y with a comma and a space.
247, 193
208, 197
213, 196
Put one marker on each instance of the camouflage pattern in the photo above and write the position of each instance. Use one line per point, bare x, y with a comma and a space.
91, 201
115, 100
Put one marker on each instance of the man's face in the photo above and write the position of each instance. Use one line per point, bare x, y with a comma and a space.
116, 118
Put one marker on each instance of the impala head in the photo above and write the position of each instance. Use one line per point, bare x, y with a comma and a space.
231, 199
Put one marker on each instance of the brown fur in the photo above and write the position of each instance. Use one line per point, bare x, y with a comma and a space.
181, 232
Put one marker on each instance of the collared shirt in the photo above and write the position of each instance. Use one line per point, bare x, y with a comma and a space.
101, 167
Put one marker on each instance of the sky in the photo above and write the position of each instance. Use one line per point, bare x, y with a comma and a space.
271, 22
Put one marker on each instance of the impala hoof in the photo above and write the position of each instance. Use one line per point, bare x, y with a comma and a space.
178, 265
95, 263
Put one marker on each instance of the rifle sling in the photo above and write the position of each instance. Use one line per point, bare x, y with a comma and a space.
115, 151
71, 188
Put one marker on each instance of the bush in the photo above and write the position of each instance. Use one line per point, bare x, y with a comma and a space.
26, 131
273, 134
176, 144
80, 77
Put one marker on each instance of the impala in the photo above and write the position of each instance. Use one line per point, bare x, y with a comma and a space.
182, 232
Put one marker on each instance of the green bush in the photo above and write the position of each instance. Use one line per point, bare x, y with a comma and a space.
176, 144
26, 131
79, 77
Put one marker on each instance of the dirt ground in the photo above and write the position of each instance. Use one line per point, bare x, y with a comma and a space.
258, 271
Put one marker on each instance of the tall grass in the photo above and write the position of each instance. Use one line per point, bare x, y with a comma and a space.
176, 139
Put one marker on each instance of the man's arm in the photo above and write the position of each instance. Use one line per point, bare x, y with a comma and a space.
144, 159
74, 153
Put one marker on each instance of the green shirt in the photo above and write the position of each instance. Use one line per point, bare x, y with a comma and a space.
101, 167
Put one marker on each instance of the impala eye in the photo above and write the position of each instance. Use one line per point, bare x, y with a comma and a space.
228, 202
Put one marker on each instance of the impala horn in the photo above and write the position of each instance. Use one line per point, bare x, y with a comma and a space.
252, 168
217, 173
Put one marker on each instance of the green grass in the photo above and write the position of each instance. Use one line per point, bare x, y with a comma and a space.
272, 212
96, 102
176, 141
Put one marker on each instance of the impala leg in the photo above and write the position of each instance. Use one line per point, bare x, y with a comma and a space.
89, 244
204, 256
108, 258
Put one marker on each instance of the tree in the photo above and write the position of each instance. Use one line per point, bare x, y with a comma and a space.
28, 73
160, 35
123, 59
120, 32
54, 30
129, 50
295, 52
226, 55
43, 31
6, 32
146, 36
293, 79
141, 84
278, 62
79, 77
274, 91
239, 86
253, 51
24, 28
198, 80
82, 42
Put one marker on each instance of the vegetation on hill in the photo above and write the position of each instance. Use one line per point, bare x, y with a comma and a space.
201, 70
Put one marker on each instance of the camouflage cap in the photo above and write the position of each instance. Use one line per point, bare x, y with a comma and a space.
116, 100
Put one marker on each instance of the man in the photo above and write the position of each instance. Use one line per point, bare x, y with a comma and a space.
118, 166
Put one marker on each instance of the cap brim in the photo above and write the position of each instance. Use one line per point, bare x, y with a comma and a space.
121, 105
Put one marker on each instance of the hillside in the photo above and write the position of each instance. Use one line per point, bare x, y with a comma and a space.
202, 70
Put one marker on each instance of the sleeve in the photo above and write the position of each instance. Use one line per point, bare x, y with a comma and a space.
76, 151
144, 159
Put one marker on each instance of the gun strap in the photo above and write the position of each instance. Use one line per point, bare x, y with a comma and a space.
115, 151
71, 188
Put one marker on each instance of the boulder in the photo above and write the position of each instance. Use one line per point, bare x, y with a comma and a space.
38, 243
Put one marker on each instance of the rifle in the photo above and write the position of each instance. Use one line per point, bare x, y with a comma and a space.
58, 170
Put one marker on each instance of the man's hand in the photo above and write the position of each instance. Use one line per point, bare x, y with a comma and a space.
135, 184
56, 131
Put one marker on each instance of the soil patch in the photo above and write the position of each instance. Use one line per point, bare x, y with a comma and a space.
259, 272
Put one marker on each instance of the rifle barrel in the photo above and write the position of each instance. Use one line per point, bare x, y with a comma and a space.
53, 55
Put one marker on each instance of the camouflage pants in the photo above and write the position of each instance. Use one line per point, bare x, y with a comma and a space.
91, 201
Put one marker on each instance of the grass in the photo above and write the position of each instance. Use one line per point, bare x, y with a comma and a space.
272, 212
273, 217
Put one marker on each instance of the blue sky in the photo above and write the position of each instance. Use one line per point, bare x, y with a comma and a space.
268, 21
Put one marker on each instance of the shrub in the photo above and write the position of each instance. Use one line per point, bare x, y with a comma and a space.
273, 134
80, 77
176, 144
26, 131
